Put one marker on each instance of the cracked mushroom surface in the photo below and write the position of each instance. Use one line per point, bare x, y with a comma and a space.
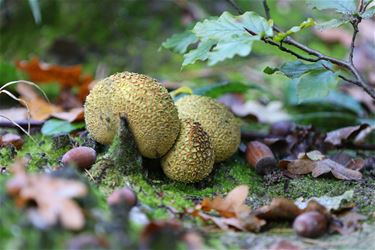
216, 119
192, 157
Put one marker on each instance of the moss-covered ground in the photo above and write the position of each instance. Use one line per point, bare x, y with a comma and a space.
159, 194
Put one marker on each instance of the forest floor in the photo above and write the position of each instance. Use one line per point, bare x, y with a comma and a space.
160, 199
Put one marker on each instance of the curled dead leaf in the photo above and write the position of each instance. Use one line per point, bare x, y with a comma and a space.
279, 209
339, 136
52, 196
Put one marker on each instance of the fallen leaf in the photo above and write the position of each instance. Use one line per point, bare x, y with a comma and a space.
347, 222
67, 76
314, 155
300, 166
41, 110
75, 114
52, 196
279, 209
339, 136
363, 134
331, 203
232, 211
318, 166
338, 170
231, 206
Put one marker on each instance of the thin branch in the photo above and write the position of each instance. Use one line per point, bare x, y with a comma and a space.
266, 9
349, 65
345, 64
235, 6
352, 46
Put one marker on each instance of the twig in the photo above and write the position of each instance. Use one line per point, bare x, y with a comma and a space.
349, 65
266, 9
319, 56
235, 6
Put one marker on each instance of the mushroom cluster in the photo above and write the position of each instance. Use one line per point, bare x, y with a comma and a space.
189, 136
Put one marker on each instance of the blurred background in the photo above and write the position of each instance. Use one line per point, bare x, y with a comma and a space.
110, 36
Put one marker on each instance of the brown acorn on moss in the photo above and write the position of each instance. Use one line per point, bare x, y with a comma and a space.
260, 156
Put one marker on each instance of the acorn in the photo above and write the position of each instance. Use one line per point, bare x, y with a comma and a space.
260, 156
123, 195
80, 157
310, 224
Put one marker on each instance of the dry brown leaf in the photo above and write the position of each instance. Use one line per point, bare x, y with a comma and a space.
338, 136
300, 166
314, 162
248, 223
347, 222
41, 110
233, 213
67, 76
231, 206
338, 170
279, 209
75, 114
52, 196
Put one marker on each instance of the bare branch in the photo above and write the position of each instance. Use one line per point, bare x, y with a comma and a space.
235, 6
348, 65
266, 9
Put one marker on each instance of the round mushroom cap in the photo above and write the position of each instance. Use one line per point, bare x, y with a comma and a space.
192, 157
215, 118
147, 105
150, 110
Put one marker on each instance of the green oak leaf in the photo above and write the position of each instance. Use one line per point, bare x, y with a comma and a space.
228, 49
227, 36
333, 23
179, 43
200, 53
316, 84
341, 6
298, 68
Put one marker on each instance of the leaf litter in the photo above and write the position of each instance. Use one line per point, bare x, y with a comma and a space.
232, 213
53, 198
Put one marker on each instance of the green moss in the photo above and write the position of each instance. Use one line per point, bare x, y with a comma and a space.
160, 191
41, 152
